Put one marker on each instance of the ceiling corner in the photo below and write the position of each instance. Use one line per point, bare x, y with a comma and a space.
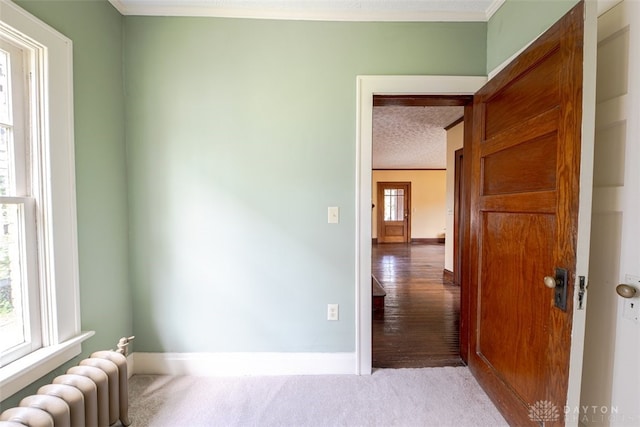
493, 8
119, 5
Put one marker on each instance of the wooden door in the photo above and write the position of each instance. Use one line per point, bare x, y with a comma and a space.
525, 187
394, 205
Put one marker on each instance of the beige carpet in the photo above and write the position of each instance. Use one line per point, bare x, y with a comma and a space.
389, 397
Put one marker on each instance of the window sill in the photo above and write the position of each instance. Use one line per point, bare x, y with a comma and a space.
24, 371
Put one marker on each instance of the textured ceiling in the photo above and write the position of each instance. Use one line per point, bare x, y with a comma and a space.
349, 10
411, 137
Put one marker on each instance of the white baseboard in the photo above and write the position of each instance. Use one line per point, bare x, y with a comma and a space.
130, 366
241, 364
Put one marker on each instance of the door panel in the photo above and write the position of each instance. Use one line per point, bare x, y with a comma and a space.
521, 168
515, 246
509, 109
525, 184
394, 204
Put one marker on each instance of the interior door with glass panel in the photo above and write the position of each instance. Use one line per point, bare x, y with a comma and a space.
394, 205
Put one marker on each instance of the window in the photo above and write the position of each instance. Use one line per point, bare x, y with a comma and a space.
39, 291
394, 204
19, 291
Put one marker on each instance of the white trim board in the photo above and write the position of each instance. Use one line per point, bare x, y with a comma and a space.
314, 11
26, 370
242, 364
366, 87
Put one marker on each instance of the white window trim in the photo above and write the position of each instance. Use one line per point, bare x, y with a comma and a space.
63, 338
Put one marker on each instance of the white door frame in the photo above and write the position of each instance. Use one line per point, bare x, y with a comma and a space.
366, 87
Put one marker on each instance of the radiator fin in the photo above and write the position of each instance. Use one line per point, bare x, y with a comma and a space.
94, 393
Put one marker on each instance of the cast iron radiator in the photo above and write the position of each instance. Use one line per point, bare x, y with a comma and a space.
95, 393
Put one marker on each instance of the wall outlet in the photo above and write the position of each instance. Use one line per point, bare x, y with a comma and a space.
332, 312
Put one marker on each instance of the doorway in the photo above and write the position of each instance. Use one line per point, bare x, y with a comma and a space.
565, 52
367, 87
419, 322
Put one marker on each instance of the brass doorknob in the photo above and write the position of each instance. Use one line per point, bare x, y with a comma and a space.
550, 282
626, 291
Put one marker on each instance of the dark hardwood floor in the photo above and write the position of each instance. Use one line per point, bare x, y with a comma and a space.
421, 316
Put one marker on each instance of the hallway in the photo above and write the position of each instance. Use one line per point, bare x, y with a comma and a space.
421, 317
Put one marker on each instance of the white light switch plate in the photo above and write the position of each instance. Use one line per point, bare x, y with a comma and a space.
333, 215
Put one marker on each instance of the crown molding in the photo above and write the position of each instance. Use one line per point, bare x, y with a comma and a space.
493, 8
203, 9
120, 6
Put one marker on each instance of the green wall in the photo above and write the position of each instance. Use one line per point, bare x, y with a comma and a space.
207, 231
518, 22
240, 134
95, 28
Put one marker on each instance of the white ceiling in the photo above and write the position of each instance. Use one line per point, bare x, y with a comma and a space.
411, 137
334, 10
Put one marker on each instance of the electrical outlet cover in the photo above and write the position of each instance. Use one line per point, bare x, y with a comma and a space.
332, 312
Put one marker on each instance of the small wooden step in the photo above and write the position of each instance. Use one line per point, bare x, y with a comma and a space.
378, 293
